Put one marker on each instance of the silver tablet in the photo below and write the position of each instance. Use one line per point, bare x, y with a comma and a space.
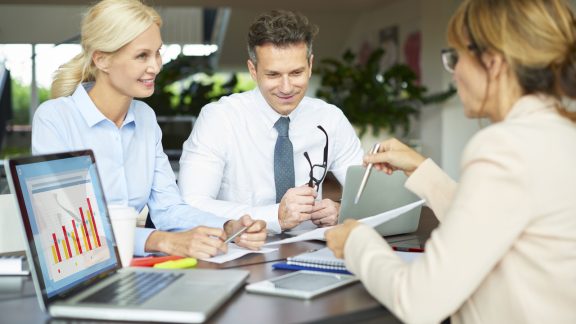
302, 284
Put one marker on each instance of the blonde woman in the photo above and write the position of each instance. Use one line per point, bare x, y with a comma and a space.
94, 108
505, 251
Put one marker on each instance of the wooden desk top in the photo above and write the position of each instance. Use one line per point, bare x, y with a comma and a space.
18, 303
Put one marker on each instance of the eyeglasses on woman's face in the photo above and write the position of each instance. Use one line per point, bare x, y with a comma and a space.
318, 171
450, 57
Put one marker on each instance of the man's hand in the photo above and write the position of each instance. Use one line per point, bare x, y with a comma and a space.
336, 237
325, 213
296, 206
255, 235
199, 242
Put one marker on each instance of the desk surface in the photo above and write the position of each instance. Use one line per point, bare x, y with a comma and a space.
18, 303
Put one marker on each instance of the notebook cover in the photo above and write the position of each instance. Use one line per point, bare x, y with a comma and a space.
286, 266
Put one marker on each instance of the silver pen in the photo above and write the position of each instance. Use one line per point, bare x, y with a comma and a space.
233, 236
366, 175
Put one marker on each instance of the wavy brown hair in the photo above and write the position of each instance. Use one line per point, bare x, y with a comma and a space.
280, 28
536, 37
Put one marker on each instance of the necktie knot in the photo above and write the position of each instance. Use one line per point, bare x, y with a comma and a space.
282, 126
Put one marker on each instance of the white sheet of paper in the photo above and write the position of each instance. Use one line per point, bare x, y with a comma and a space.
408, 256
317, 234
234, 252
376, 220
372, 221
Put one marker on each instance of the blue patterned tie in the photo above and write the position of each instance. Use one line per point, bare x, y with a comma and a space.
283, 159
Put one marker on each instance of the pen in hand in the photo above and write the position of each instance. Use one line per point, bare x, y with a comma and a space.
233, 236
366, 174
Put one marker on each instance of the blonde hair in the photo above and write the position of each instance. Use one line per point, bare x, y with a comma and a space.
536, 37
106, 27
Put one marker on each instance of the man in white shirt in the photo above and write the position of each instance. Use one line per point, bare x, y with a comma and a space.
245, 156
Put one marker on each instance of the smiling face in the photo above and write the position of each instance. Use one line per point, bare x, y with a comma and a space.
282, 75
132, 69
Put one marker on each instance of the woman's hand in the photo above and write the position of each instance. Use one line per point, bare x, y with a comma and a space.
394, 155
336, 237
200, 242
255, 235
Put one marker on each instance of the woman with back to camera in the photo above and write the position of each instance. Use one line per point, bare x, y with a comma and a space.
505, 250
94, 108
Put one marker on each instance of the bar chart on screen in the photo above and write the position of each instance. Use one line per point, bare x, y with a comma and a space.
69, 223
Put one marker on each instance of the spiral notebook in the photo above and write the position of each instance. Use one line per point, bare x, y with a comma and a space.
322, 259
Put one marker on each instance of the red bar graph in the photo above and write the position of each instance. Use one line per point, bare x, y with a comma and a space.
85, 229
93, 222
57, 249
87, 241
66, 239
76, 236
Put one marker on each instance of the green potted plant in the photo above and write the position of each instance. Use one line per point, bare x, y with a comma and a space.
177, 94
370, 98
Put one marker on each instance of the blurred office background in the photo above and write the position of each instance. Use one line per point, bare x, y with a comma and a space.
205, 42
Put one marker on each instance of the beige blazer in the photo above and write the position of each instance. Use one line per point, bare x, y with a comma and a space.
505, 251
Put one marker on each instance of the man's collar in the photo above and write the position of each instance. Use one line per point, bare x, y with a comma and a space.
271, 115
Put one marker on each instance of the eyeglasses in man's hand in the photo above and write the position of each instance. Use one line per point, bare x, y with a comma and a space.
318, 171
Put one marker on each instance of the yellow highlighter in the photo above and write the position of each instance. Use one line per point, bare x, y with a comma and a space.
177, 264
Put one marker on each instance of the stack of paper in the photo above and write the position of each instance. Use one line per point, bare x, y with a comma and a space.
12, 264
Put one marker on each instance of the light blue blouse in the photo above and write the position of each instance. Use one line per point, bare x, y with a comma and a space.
133, 167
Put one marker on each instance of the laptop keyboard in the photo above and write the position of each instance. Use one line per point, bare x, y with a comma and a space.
133, 289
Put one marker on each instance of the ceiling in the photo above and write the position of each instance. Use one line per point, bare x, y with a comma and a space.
342, 6
335, 18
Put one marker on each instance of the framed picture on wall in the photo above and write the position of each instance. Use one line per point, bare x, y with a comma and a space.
388, 39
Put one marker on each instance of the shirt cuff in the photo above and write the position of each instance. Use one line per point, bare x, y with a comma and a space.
269, 214
140, 238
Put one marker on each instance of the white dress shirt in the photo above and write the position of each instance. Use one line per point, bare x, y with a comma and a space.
227, 164
505, 250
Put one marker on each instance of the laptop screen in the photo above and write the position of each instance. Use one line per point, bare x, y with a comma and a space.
66, 219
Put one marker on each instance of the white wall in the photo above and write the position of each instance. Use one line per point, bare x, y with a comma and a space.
401, 13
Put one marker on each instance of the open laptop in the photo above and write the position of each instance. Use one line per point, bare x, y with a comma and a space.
382, 193
73, 256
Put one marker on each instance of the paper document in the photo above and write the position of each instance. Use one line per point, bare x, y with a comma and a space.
234, 252
372, 221
317, 234
408, 256
376, 220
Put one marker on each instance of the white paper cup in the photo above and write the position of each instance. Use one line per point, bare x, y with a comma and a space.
124, 225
